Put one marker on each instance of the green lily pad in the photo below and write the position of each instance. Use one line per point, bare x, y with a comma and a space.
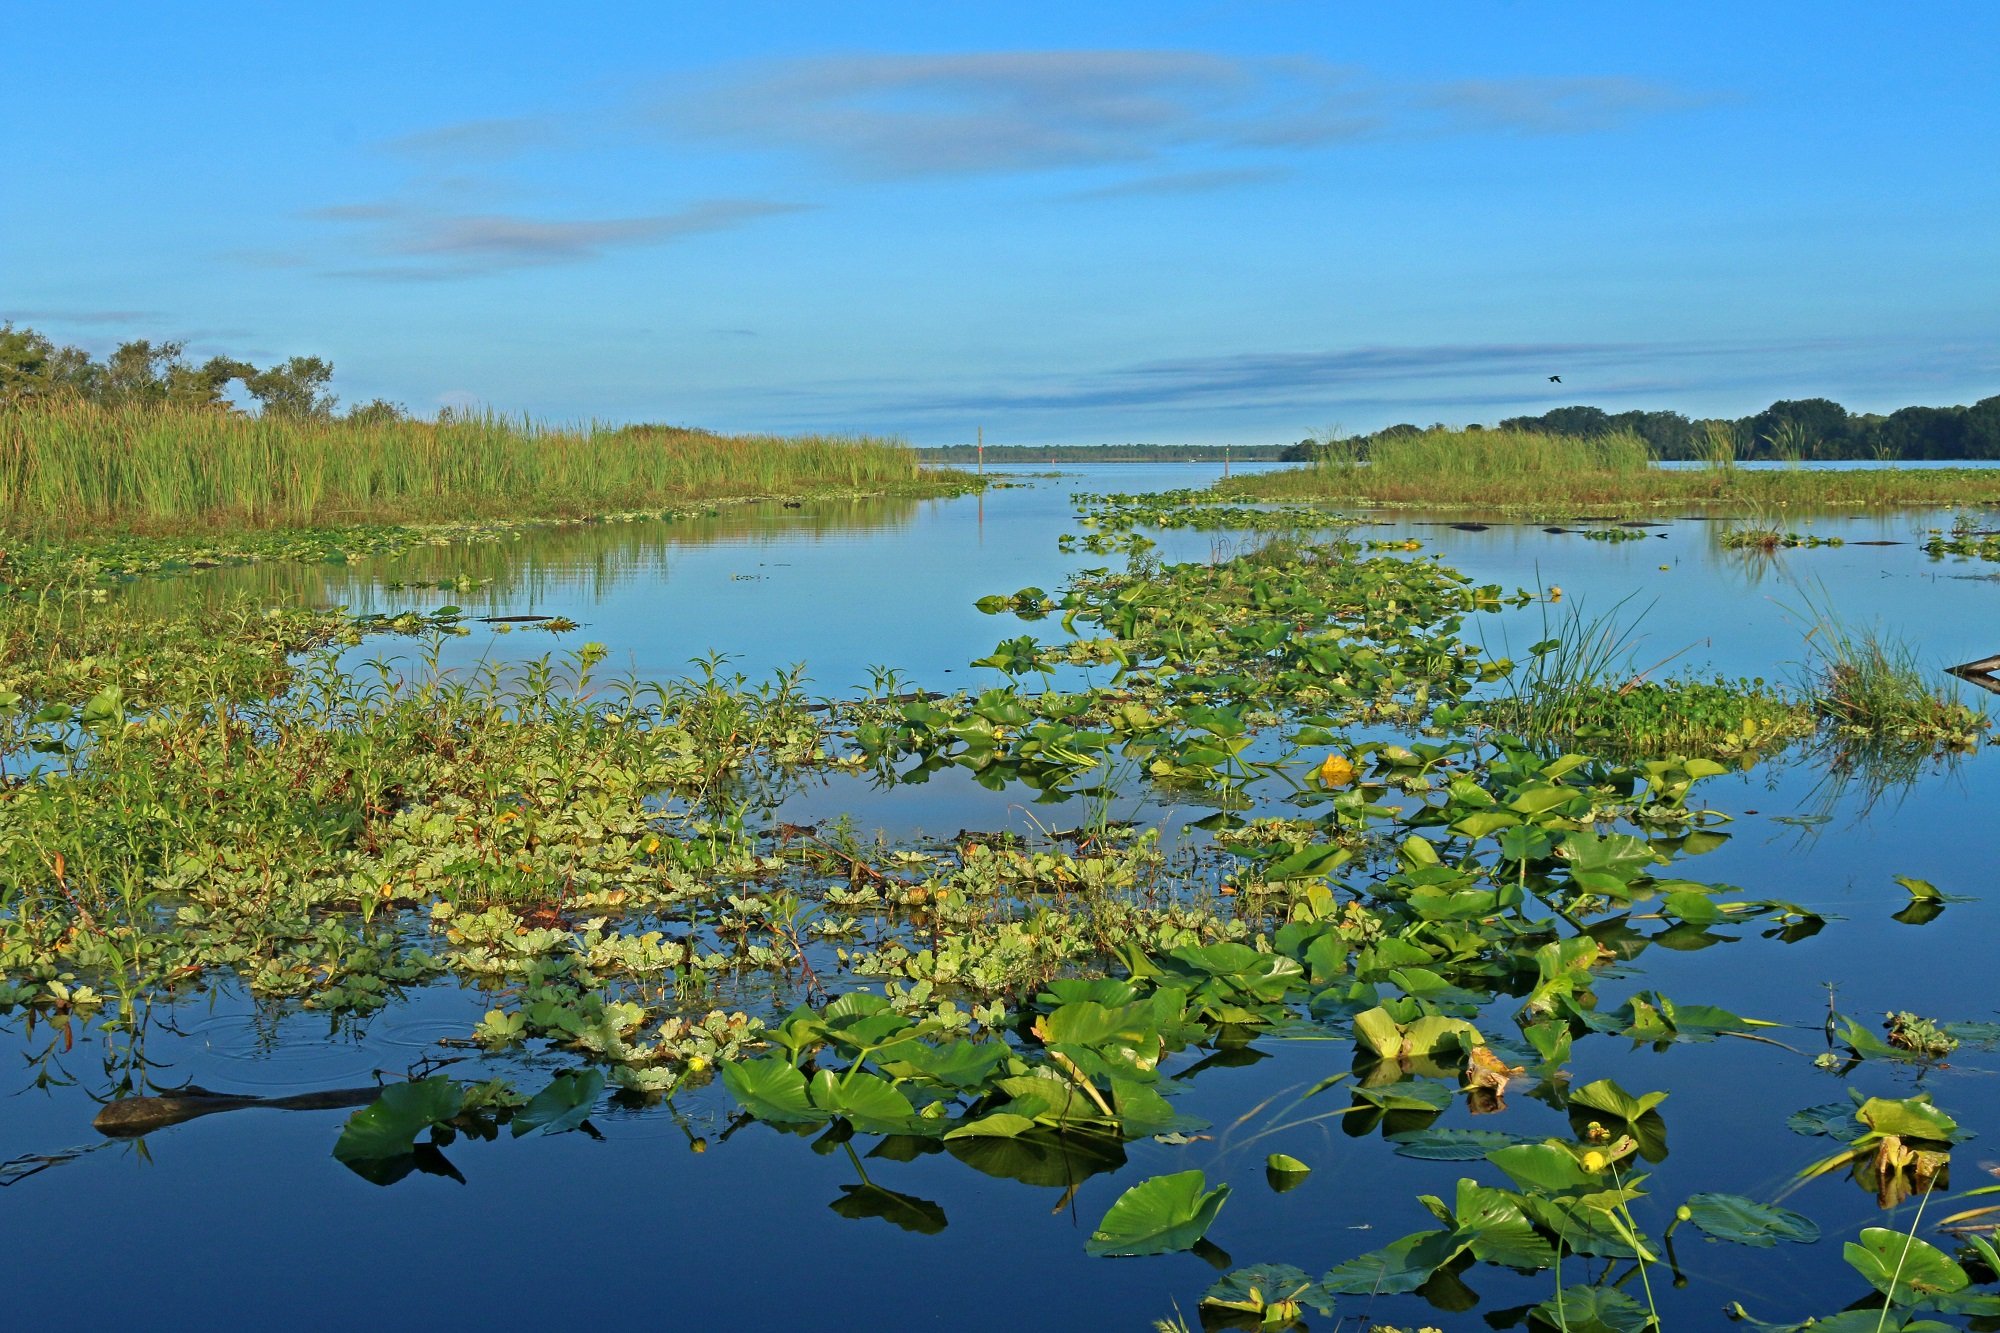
1158, 1216
771, 1089
1453, 1145
389, 1125
1265, 1289
1902, 1267
1605, 1095
1592, 1310
1833, 1119
1400, 1266
563, 1105
1732, 1217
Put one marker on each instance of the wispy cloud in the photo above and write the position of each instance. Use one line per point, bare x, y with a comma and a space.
1553, 106
493, 138
994, 112
1183, 182
1397, 379
92, 317
423, 246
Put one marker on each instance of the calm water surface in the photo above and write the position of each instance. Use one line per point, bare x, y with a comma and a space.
244, 1218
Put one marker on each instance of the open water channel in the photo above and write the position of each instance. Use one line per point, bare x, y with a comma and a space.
674, 1217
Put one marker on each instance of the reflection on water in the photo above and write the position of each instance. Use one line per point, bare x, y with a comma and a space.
527, 566
769, 1225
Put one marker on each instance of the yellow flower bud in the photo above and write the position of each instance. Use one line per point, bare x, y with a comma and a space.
1337, 771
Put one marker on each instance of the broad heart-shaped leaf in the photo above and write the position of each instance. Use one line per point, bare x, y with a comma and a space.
1408, 1095
1542, 1166
1041, 1157
1453, 1145
999, 1125
1143, 1112
1493, 1226
1907, 1270
1482, 822
1264, 1287
1158, 1216
1923, 891
563, 1105
1593, 1310
389, 1125
1908, 1118
1285, 1164
1378, 1030
1380, 1033
1747, 1222
771, 1089
1833, 1119
962, 1064
1400, 1266
1697, 909
872, 1105
1606, 1096
902, 1210
1308, 862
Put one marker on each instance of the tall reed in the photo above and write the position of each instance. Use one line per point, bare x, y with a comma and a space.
1530, 470
72, 466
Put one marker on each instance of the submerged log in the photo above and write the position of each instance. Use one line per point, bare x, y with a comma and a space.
129, 1117
1980, 673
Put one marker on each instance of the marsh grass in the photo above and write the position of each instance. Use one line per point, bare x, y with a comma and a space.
71, 467
1584, 685
1869, 686
1557, 474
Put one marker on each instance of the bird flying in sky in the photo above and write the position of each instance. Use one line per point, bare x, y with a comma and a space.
1555, 379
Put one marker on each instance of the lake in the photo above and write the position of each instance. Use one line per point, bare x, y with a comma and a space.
684, 1213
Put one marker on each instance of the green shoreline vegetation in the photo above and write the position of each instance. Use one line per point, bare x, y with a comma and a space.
145, 442
76, 467
1556, 474
208, 801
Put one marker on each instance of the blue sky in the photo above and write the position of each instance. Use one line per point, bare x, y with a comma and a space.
1064, 222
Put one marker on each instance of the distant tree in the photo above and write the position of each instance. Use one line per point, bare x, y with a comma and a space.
1585, 421
135, 375
32, 366
1982, 428
1821, 424
377, 412
205, 385
1926, 432
296, 389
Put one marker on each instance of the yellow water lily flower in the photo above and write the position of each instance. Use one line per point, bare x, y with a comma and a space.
1337, 771
1595, 1161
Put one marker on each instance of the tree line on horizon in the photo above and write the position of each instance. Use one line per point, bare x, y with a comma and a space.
1791, 429
141, 372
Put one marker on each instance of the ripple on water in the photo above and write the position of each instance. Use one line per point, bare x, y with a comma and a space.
237, 1047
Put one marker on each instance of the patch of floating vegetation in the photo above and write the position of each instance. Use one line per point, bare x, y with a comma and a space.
226, 807
1772, 539
1739, 720
1965, 540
